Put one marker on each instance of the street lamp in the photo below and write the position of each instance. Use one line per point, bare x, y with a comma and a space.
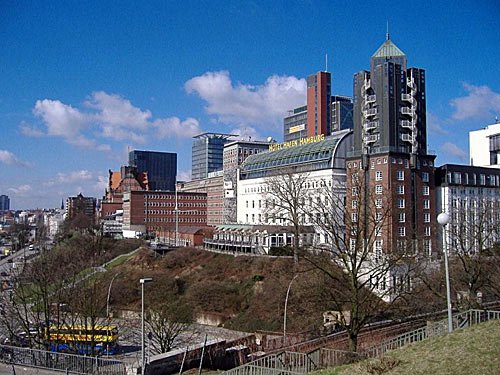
286, 304
443, 219
143, 281
107, 312
109, 294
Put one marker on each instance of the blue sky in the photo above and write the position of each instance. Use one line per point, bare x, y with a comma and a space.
83, 81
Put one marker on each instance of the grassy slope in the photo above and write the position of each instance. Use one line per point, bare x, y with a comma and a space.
249, 290
475, 350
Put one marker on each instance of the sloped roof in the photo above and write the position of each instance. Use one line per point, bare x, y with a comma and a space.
321, 151
388, 49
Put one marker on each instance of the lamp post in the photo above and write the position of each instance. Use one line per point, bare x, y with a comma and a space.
109, 294
443, 219
286, 304
143, 281
107, 313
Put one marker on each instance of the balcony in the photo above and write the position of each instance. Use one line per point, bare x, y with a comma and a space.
370, 99
370, 112
406, 124
406, 97
371, 125
407, 111
406, 137
371, 138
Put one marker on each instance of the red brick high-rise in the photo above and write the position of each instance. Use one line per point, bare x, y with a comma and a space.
319, 90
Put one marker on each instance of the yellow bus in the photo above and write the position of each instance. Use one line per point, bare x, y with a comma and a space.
80, 339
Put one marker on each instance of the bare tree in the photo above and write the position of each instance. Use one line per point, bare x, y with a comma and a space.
365, 278
284, 202
473, 233
170, 325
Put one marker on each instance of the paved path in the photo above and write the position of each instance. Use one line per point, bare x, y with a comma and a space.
23, 370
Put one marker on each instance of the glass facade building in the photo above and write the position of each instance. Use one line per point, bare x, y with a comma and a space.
161, 168
4, 203
207, 154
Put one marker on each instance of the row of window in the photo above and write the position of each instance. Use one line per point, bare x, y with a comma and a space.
472, 179
172, 212
172, 220
172, 204
406, 163
400, 189
172, 196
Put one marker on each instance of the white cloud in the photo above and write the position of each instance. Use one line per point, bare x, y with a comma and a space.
109, 116
480, 102
173, 126
246, 133
453, 150
7, 157
22, 190
60, 119
65, 121
434, 124
75, 176
30, 131
246, 104
184, 175
118, 118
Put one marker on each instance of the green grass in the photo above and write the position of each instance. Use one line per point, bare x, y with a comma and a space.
474, 350
120, 259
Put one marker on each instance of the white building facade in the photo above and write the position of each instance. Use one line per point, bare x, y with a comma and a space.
471, 197
320, 161
484, 146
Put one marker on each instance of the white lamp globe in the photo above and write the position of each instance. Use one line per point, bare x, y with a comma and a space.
443, 218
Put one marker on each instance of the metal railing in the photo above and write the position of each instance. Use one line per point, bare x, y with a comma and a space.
293, 363
460, 320
69, 363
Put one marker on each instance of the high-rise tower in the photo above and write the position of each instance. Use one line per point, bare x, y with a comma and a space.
319, 88
389, 160
161, 168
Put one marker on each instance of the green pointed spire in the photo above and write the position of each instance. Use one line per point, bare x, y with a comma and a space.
388, 49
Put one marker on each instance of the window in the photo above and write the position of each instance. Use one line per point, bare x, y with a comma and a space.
352, 244
427, 217
400, 175
400, 189
427, 204
378, 189
354, 217
427, 231
354, 204
354, 191
402, 217
378, 217
401, 203
378, 203
426, 190
378, 176
425, 176
402, 231
377, 247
